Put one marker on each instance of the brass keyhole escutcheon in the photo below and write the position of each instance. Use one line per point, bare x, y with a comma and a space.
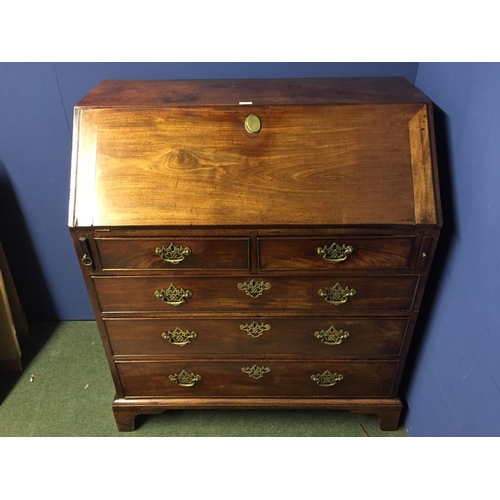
252, 124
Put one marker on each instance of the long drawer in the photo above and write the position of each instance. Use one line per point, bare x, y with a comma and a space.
173, 254
258, 378
334, 253
268, 336
315, 295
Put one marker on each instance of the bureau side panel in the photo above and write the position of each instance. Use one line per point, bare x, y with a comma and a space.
85, 247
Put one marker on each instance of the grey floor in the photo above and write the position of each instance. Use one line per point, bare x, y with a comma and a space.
66, 390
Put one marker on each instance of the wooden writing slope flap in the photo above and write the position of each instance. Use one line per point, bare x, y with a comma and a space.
179, 153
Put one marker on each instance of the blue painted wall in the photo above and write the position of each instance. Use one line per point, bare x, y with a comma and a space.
455, 390
36, 106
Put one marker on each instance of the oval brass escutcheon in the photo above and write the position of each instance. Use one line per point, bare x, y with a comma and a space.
254, 288
252, 124
255, 371
255, 329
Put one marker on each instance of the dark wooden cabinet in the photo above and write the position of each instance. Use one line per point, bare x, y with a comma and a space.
255, 243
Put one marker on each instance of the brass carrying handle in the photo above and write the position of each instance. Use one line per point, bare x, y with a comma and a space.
173, 296
173, 254
179, 337
327, 378
335, 253
336, 295
86, 255
86, 260
185, 379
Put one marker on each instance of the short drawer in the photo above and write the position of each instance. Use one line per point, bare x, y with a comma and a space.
264, 336
258, 378
334, 253
315, 296
118, 254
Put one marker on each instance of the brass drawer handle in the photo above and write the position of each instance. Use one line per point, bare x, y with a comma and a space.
184, 378
173, 254
336, 295
254, 288
327, 378
255, 329
172, 295
332, 336
252, 124
179, 337
255, 371
335, 253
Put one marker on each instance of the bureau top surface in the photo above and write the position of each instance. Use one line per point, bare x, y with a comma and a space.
327, 151
260, 92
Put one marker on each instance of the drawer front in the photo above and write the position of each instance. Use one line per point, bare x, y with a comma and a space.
321, 337
173, 254
257, 378
334, 253
317, 295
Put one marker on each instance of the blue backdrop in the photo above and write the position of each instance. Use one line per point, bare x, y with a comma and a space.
456, 385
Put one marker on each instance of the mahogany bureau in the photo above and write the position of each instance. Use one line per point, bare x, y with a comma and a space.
255, 243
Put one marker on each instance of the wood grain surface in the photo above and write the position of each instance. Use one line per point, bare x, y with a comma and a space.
283, 91
205, 253
215, 337
367, 253
285, 379
308, 165
134, 294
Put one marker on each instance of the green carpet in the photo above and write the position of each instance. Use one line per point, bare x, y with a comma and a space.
72, 391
